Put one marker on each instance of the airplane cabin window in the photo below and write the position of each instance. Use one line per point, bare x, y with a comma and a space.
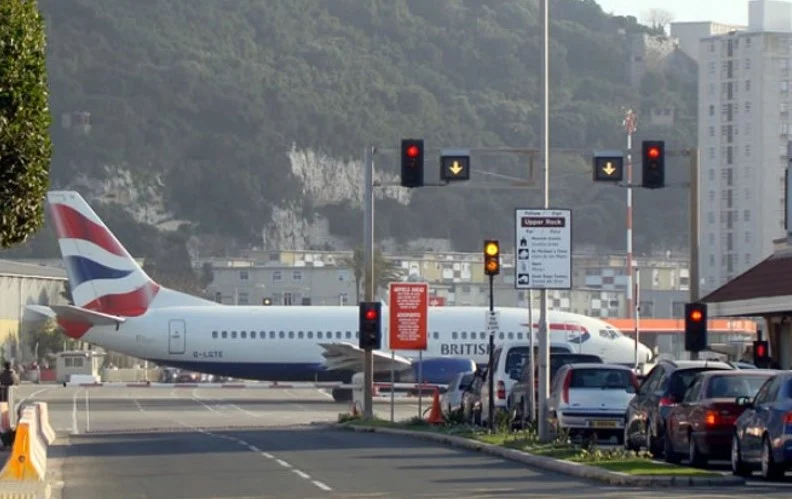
482, 335
454, 335
436, 335
519, 335
463, 335
510, 335
500, 335
281, 335
214, 334
252, 334
300, 334
319, 335
310, 335
357, 334
291, 335
272, 335
338, 335
225, 334
233, 335
243, 334
348, 335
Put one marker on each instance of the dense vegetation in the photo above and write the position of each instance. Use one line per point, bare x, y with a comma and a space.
212, 95
25, 145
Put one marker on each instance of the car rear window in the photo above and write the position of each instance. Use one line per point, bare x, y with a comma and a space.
515, 359
734, 386
680, 380
603, 378
558, 361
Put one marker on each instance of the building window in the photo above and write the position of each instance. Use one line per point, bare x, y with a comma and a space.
296, 275
712, 239
678, 309
712, 110
711, 217
287, 298
747, 215
243, 298
747, 64
747, 237
747, 149
747, 107
218, 297
712, 153
747, 85
277, 276
712, 196
747, 259
712, 174
712, 260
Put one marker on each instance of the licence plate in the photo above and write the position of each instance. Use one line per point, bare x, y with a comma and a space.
603, 424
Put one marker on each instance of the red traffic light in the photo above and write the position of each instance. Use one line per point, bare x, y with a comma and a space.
413, 151
654, 152
761, 350
371, 314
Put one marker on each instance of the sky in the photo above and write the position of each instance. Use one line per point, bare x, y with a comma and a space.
723, 11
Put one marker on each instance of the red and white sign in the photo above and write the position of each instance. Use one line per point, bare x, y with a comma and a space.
408, 315
437, 301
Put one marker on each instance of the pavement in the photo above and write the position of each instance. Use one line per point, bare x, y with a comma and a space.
237, 443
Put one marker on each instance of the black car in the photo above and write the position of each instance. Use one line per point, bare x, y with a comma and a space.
661, 390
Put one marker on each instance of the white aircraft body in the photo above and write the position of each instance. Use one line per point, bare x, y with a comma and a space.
120, 308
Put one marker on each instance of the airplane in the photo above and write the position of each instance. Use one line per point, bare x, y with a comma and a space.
118, 307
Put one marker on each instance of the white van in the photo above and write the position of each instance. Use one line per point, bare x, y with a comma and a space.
509, 356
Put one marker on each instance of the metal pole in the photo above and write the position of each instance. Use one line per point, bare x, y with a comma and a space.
544, 340
531, 359
636, 321
368, 271
393, 381
694, 230
491, 363
420, 383
630, 127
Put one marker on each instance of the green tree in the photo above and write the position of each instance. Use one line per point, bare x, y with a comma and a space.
385, 270
46, 339
25, 146
66, 293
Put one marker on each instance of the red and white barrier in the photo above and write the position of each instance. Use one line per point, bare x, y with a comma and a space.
252, 385
46, 432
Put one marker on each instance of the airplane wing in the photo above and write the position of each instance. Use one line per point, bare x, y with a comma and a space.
346, 356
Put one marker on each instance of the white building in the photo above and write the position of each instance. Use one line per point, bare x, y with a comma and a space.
744, 126
689, 34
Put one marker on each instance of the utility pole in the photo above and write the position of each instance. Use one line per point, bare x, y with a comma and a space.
490, 373
694, 230
636, 322
368, 271
630, 126
544, 340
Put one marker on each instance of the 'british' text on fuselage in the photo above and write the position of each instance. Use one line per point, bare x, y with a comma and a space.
464, 349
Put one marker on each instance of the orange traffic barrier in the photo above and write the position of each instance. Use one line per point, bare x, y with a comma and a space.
28, 459
436, 414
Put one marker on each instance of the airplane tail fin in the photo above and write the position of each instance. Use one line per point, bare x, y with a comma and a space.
103, 276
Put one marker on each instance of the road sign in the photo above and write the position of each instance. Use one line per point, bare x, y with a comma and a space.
543, 257
455, 164
608, 166
492, 320
408, 315
437, 301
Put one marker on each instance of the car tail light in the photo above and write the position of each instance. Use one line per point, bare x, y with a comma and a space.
567, 382
667, 402
501, 390
711, 419
788, 418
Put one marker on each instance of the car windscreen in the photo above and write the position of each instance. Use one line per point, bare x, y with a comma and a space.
603, 378
721, 387
465, 381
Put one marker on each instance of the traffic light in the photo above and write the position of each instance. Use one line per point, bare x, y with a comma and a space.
695, 327
370, 325
266, 301
491, 257
653, 163
412, 163
761, 354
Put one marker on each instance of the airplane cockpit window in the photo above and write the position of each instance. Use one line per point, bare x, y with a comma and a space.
233, 335
615, 333
225, 334
214, 334
243, 334
604, 334
299, 334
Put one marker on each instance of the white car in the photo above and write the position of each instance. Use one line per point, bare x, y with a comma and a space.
452, 398
588, 398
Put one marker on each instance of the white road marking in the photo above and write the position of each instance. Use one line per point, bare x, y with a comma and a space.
199, 399
321, 485
87, 414
323, 391
254, 448
283, 463
302, 474
268, 455
75, 430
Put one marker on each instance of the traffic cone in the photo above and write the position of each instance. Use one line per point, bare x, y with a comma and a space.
436, 414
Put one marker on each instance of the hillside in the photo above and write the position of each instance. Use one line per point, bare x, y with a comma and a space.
247, 118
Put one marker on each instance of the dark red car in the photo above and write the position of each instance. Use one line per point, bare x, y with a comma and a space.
702, 425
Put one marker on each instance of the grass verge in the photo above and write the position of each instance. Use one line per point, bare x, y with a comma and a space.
618, 460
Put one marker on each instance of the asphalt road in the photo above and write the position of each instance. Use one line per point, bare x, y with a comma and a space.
229, 443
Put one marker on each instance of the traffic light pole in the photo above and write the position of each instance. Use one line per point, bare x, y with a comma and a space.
491, 361
368, 272
694, 229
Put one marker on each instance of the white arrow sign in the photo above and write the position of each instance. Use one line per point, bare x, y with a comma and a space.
492, 319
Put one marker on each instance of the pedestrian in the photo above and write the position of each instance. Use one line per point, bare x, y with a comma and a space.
8, 378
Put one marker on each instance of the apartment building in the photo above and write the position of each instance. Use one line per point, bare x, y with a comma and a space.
744, 126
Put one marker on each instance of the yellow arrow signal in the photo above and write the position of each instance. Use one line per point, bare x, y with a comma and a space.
609, 169
456, 168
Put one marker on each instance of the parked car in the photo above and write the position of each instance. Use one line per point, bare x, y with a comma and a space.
518, 399
702, 425
661, 391
763, 433
592, 398
451, 399
471, 398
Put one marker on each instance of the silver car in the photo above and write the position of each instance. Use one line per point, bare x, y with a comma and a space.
452, 398
589, 398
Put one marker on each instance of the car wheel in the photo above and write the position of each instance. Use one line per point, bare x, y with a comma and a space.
695, 457
770, 470
668, 451
738, 467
